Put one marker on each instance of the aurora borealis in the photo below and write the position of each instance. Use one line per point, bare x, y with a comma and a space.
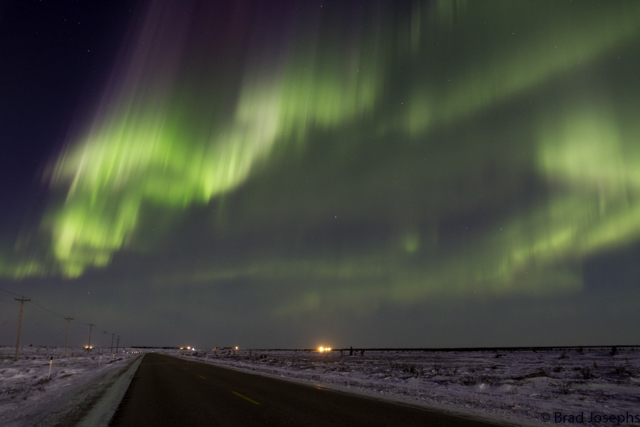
407, 173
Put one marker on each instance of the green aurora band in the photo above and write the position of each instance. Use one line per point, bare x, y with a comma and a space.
423, 101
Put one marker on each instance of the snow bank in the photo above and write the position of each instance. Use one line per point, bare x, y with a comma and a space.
78, 383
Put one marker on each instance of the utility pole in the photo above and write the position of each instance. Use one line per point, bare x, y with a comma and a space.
22, 301
112, 343
89, 346
118, 344
103, 338
68, 319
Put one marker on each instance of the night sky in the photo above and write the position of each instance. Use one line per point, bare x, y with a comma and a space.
286, 174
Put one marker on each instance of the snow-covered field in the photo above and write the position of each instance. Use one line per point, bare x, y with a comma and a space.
507, 387
29, 396
510, 387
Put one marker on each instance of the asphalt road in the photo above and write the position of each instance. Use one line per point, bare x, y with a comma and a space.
167, 391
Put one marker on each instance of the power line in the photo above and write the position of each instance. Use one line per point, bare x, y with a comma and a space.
6, 297
11, 293
47, 310
42, 311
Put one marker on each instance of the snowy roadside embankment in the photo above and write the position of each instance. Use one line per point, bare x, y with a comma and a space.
517, 387
79, 386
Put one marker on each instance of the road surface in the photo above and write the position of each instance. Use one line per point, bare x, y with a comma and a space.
167, 391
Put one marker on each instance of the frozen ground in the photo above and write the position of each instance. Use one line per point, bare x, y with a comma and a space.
29, 397
510, 387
